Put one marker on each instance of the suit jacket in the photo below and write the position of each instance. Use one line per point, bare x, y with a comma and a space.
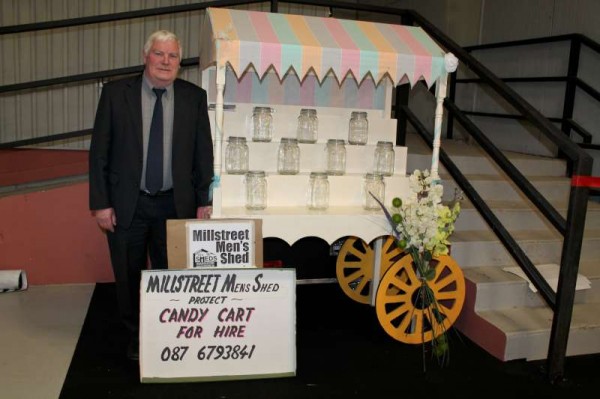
116, 153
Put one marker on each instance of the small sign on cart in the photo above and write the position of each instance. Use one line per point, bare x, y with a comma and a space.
214, 243
219, 244
216, 324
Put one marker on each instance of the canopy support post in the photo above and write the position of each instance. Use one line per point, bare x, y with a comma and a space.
440, 95
220, 82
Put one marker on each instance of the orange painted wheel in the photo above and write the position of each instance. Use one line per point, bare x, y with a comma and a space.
354, 266
401, 311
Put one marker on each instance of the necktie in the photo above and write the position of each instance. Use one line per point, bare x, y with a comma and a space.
154, 158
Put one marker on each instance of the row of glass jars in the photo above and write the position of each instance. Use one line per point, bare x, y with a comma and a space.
308, 126
288, 157
318, 191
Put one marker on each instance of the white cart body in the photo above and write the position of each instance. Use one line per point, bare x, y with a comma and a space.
242, 48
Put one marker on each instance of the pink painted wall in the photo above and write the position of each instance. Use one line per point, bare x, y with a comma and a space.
52, 236
27, 165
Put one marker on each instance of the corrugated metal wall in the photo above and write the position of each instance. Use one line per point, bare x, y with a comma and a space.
69, 51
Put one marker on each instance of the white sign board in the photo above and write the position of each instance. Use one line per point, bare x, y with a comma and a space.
220, 244
215, 324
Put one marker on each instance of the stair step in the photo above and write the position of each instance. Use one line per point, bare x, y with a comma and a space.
489, 187
471, 157
482, 247
519, 215
525, 332
501, 314
499, 289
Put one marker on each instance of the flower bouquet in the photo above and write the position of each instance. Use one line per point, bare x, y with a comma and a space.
423, 286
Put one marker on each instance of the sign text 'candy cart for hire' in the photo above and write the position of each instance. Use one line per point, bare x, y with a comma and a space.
217, 324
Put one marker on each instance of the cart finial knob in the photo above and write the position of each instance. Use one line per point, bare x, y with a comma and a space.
450, 62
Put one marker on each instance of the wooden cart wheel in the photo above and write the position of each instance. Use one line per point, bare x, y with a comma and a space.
401, 313
354, 266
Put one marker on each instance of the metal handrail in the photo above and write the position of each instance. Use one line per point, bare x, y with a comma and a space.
577, 207
573, 81
100, 75
96, 19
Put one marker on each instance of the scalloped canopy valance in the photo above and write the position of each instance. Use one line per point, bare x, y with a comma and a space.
265, 41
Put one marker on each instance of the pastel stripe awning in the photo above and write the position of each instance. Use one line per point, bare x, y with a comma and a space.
239, 38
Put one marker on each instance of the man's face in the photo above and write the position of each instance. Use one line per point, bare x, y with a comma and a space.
162, 63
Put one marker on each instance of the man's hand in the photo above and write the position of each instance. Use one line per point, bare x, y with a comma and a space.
106, 218
204, 212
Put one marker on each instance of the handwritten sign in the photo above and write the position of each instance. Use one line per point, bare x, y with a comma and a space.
220, 244
215, 324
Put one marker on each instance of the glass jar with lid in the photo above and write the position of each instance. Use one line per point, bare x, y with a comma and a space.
384, 158
256, 190
288, 157
373, 185
336, 157
236, 155
358, 128
318, 191
308, 126
262, 122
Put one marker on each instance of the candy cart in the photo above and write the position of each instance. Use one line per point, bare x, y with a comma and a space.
287, 63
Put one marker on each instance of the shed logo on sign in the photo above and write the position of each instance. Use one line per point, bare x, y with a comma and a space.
214, 245
203, 258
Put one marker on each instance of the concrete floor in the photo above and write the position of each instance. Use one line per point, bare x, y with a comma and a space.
39, 329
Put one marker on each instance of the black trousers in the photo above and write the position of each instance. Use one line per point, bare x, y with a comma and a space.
130, 249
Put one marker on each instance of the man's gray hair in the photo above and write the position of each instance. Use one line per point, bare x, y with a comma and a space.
162, 36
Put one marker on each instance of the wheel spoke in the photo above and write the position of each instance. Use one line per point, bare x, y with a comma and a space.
399, 311
444, 309
417, 328
354, 276
361, 285
353, 265
412, 276
444, 295
405, 322
385, 248
357, 253
398, 298
436, 326
444, 281
399, 283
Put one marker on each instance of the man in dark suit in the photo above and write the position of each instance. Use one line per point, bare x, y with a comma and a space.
151, 159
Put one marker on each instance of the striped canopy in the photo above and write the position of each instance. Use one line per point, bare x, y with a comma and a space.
306, 44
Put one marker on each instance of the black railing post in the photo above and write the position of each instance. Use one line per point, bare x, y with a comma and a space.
401, 97
571, 86
569, 267
570, 89
401, 100
274, 6
407, 19
452, 98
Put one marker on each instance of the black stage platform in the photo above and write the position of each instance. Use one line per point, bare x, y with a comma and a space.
342, 352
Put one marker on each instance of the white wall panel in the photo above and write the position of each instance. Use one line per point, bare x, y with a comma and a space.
515, 20
68, 51
505, 20
62, 52
581, 16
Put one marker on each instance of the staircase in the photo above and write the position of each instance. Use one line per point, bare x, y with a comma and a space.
501, 314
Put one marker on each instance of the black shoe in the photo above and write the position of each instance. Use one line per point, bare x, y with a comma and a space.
133, 350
